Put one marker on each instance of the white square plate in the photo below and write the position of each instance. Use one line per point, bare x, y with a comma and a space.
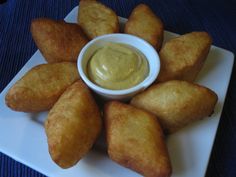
22, 135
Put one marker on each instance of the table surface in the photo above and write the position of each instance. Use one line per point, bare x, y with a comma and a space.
179, 16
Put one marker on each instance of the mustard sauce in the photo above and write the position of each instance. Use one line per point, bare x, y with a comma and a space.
117, 66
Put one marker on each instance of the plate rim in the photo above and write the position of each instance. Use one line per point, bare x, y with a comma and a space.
24, 69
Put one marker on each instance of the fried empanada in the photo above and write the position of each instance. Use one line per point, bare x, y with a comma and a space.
183, 57
177, 103
145, 24
72, 126
41, 86
135, 140
57, 40
97, 19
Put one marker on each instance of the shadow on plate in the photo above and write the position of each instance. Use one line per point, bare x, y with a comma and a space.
38, 117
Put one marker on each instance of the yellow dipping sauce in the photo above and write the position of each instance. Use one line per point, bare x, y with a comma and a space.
117, 66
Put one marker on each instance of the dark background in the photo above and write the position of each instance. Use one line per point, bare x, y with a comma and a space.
180, 16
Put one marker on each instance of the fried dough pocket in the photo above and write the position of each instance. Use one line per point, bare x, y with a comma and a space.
177, 103
72, 125
97, 19
135, 140
183, 57
145, 24
58, 40
41, 86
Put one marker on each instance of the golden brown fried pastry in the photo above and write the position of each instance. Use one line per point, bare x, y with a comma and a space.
135, 140
145, 24
183, 57
177, 103
97, 19
72, 126
41, 86
57, 40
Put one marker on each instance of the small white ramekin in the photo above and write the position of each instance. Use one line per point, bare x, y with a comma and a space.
138, 43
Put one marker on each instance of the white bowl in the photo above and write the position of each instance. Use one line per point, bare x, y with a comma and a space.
138, 43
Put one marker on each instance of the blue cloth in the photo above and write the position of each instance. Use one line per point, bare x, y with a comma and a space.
180, 16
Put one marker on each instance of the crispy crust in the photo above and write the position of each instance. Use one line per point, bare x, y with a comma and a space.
72, 125
177, 103
97, 19
41, 86
57, 40
145, 24
135, 140
183, 57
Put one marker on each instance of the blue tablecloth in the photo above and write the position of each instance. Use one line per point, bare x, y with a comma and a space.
180, 16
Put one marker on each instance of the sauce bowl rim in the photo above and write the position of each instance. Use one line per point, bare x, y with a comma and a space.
150, 78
